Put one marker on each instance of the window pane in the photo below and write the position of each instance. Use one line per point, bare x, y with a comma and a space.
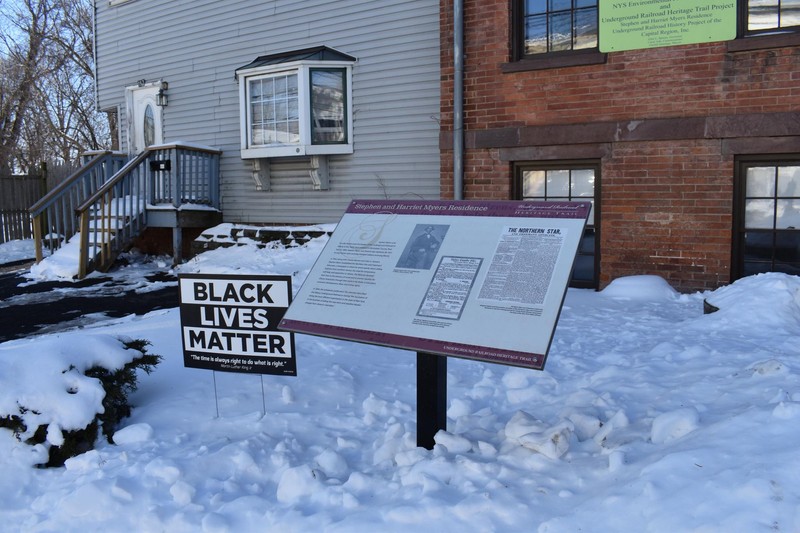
536, 35
588, 3
758, 246
560, 5
535, 7
560, 32
280, 87
585, 29
583, 182
281, 111
557, 183
762, 14
760, 182
788, 214
149, 126
584, 268
533, 184
267, 89
255, 90
789, 181
790, 13
759, 213
587, 242
787, 246
752, 268
327, 106
792, 269
273, 110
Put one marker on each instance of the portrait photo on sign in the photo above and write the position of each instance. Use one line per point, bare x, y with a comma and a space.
423, 246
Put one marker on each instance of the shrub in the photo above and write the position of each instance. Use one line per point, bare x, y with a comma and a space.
117, 385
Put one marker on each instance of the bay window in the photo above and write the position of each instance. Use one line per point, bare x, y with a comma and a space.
296, 104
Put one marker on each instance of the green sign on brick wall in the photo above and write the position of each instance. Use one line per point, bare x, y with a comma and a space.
635, 24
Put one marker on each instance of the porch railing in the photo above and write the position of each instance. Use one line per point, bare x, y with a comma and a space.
176, 174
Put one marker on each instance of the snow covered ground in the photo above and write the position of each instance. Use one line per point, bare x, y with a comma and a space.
650, 416
19, 250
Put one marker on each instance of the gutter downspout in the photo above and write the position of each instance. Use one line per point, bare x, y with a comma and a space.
458, 100
94, 57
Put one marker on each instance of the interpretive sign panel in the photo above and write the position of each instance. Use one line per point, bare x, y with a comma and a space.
479, 280
635, 24
230, 323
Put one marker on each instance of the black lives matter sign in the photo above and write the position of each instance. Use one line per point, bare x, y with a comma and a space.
229, 323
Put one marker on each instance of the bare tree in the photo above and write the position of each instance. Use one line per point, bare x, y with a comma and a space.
23, 62
47, 109
74, 121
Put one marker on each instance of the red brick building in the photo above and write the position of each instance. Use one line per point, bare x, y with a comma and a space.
690, 153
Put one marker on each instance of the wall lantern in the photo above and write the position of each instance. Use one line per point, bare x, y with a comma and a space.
161, 95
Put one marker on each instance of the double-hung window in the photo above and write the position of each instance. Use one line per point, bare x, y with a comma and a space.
762, 16
550, 26
767, 217
296, 104
568, 182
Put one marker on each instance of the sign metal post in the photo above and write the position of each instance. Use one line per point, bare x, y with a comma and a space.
431, 397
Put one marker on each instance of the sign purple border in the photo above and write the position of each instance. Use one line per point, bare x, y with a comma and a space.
432, 208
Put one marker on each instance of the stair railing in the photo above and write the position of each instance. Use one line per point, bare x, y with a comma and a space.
53, 216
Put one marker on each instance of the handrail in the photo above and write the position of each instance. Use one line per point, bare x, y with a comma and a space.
109, 184
187, 146
48, 199
52, 215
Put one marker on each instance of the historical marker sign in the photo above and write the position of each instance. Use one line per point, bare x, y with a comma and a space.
636, 24
479, 280
230, 323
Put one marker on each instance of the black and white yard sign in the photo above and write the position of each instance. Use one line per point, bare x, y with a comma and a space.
229, 323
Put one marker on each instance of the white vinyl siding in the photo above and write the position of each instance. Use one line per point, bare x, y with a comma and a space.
196, 45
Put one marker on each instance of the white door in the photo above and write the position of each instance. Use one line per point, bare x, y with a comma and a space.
144, 119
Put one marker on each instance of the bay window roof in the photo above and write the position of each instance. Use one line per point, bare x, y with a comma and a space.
317, 53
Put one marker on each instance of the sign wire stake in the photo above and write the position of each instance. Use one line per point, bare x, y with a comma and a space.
263, 397
216, 400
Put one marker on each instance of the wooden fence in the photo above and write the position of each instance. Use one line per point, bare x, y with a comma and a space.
17, 194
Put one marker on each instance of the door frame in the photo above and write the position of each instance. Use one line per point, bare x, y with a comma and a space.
137, 99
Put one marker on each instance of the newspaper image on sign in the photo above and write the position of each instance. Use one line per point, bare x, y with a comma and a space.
230, 323
451, 284
477, 279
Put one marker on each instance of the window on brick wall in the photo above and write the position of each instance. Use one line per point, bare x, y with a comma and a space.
767, 217
554, 26
564, 182
770, 15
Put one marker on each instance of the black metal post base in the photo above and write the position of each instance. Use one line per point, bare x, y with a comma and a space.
431, 397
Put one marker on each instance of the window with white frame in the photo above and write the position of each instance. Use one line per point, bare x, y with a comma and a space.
296, 104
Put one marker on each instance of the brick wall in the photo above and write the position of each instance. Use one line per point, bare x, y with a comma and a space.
666, 210
665, 123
